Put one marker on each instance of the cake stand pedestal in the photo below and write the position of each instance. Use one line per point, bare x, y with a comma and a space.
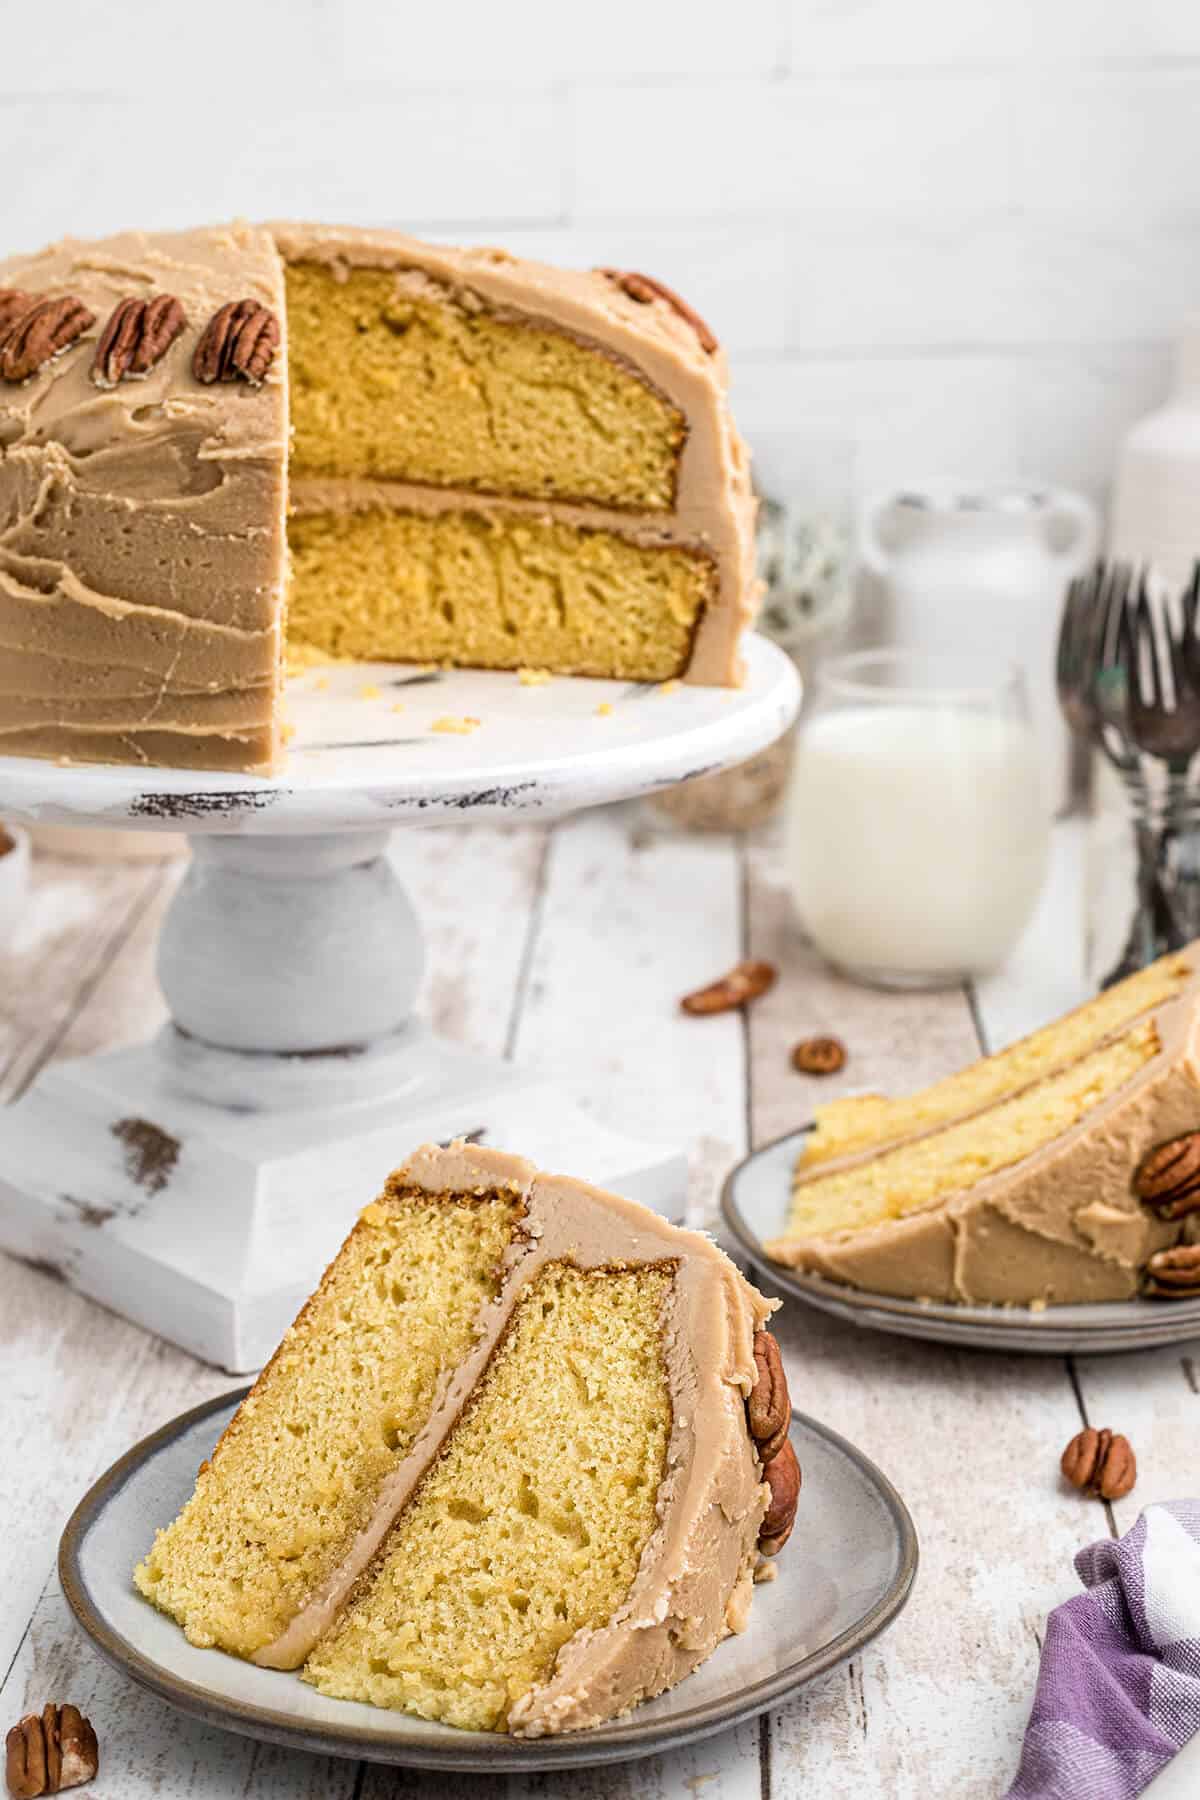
200, 1182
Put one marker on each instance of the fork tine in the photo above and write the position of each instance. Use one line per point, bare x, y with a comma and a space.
1147, 668
1073, 629
1181, 675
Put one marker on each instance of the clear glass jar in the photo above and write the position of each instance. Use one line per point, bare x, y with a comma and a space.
918, 823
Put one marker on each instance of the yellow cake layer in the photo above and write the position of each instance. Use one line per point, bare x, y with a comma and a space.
497, 591
349, 1388
866, 1120
899, 1181
398, 380
530, 1525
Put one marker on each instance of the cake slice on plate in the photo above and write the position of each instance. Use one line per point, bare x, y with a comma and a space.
1014, 1180
513, 1467
219, 444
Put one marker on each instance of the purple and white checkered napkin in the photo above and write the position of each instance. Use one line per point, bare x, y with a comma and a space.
1118, 1691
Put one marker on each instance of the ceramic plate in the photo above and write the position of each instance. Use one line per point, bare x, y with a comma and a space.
845, 1575
754, 1203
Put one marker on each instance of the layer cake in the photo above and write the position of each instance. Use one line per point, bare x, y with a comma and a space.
1013, 1180
513, 1467
220, 443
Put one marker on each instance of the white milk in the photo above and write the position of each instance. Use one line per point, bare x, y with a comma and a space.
917, 836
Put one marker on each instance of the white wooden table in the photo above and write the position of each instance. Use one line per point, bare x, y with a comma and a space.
573, 957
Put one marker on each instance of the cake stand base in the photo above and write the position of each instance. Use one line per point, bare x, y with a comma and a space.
207, 1220
199, 1184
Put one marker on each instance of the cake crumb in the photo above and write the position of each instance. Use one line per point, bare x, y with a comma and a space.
320, 684
298, 659
399, 706
668, 687
765, 1570
1038, 1306
604, 710
369, 691
534, 677
462, 727
287, 732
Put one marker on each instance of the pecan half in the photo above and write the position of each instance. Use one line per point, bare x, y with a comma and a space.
769, 1408
819, 1056
13, 302
1168, 1179
745, 982
1101, 1463
238, 344
137, 336
782, 1476
50, 1751
645, 289
1174, 1274
44, 330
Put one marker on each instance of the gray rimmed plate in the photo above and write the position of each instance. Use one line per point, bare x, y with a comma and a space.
754, 1205
843, 1578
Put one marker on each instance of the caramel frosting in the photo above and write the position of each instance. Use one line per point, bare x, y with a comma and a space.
695, 1576
143, 556
1062, 1226
142, 548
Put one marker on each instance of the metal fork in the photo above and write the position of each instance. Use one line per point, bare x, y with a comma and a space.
1164, 723
1094, 665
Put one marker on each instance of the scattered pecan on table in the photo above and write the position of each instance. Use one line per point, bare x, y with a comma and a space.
1100, 1463
49, 1751
745, 982
819, 1056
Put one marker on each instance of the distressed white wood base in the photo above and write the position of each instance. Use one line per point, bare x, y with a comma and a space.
210, 1224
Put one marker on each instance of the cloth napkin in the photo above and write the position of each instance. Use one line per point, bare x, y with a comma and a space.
1118, 1691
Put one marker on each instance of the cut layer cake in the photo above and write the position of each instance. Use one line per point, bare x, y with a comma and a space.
1013, 1180
221, 444
513, 1467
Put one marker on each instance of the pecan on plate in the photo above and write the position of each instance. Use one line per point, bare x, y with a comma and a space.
745, 982
1100, 1463
782, 1476
1174, 1274
13, 302
1168, 1178
50, 1751
43, 331
819, 1056
238, 344
137, 336
644, 288
769, 1408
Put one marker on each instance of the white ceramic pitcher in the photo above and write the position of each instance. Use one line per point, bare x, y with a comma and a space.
984, 569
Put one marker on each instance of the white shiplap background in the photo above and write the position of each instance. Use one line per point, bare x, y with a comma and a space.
934, 234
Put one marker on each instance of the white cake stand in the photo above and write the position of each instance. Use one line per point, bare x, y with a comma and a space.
200, 1182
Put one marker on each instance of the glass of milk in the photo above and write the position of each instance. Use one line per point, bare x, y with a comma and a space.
918, 825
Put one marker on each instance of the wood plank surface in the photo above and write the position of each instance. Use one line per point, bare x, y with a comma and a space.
569, 946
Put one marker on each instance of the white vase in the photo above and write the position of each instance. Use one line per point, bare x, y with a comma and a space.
984, 570
1156, 497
